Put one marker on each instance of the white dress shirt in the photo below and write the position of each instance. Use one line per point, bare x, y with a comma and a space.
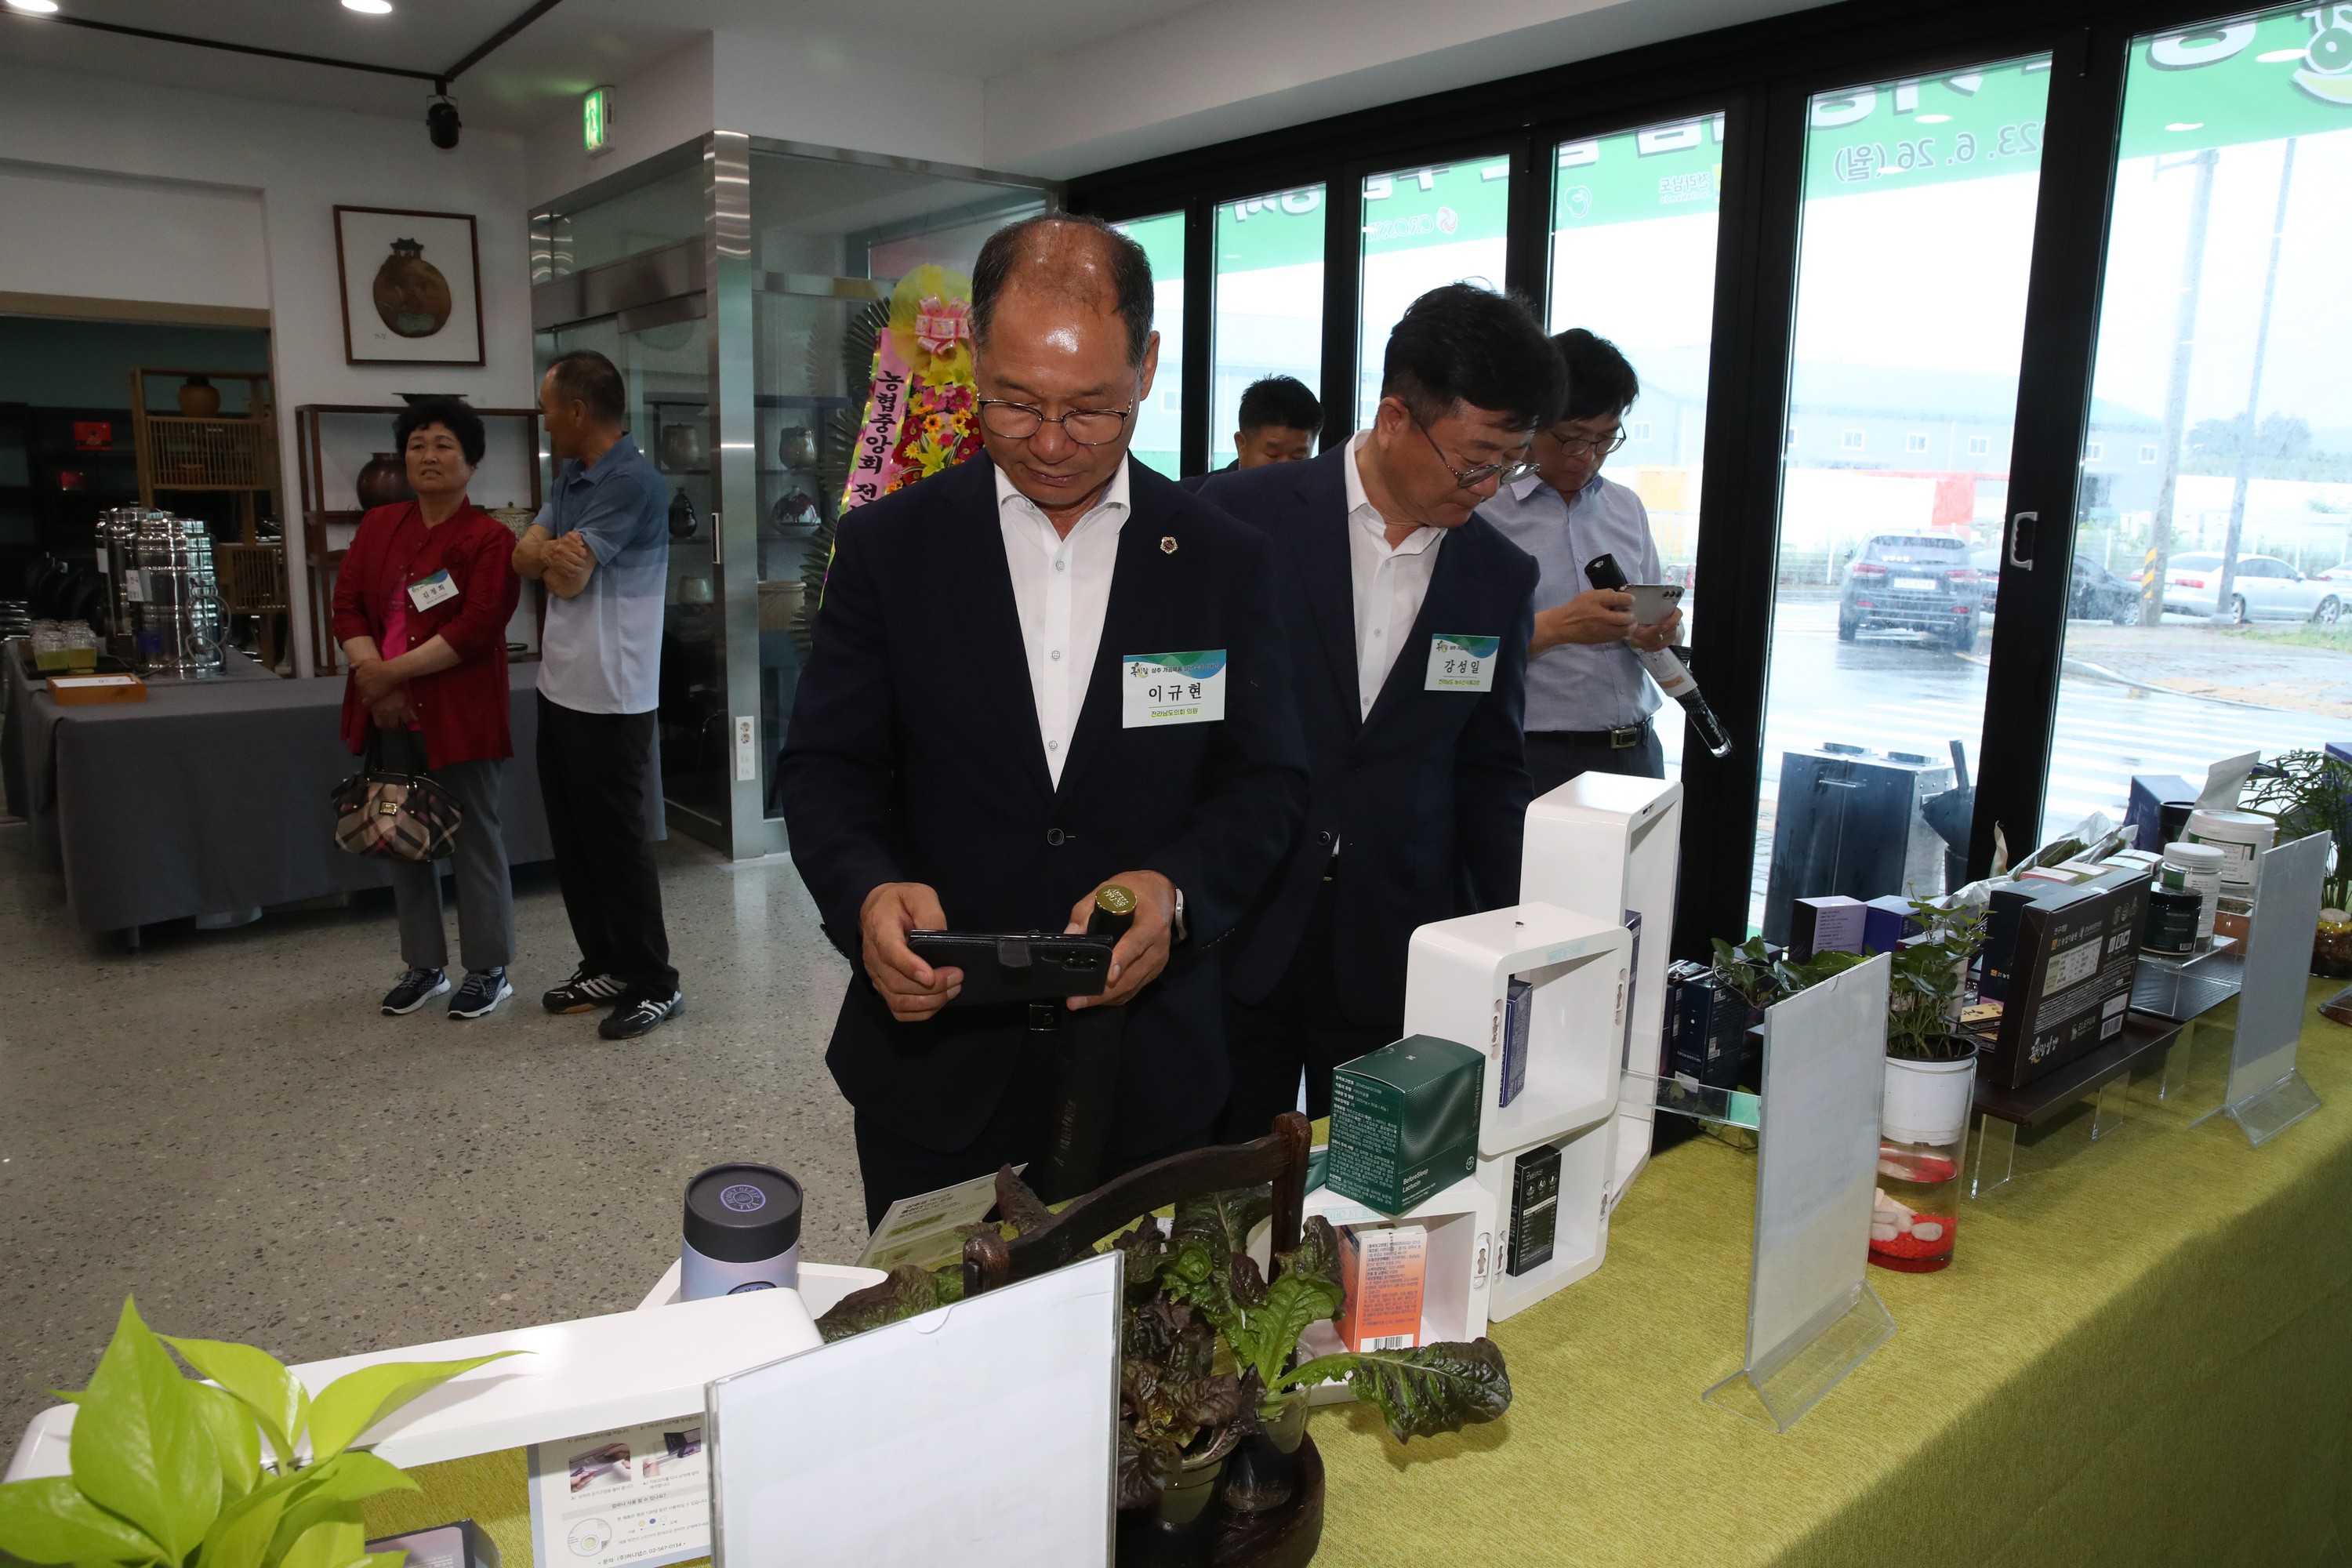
1060, 588
1390, 584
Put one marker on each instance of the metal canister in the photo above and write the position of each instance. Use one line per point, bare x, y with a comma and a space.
173, 597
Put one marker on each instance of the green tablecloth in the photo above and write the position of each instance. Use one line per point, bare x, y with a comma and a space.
2142, 1354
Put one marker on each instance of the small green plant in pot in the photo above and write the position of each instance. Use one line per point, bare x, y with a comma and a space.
245, 1471
1929, 1089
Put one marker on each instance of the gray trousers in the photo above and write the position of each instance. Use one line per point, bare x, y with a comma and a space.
485, 938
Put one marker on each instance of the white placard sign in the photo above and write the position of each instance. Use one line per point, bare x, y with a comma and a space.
2266, 1094
634, 1495
982, 1434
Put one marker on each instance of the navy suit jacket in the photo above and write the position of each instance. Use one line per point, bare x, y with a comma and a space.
1426, 798
1192, 482
914, 756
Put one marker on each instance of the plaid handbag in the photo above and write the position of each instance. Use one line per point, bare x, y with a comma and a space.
394, 816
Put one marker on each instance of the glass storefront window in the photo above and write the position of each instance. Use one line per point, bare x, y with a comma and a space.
2213, 542
1160, 422
1633, 259
1443, 223
1269, 302
1917, 240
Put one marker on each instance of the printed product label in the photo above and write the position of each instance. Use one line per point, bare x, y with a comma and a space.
1158, 689
1461, 662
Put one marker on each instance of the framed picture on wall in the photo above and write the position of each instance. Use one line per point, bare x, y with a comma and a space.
412, 286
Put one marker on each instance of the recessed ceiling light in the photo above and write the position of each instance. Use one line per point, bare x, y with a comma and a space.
369, 7
35, 8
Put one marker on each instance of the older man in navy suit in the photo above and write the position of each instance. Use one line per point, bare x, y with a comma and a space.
966, 752
1408, 616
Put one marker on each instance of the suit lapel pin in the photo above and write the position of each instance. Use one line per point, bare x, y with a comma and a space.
1167, 544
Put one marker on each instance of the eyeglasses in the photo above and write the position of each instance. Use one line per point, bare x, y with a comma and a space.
1019, 421
1509, 472
1600, 448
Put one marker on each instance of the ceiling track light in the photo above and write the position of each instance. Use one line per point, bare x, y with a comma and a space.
441, 121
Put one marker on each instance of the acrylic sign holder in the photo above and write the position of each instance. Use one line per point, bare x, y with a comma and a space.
1812, 1317
1602, 845
2266, 1095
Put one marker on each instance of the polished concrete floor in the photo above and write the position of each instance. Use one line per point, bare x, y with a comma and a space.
224, 1124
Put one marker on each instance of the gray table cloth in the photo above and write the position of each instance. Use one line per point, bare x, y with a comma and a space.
212, 796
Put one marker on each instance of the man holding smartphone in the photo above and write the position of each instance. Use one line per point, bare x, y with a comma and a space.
1589, 702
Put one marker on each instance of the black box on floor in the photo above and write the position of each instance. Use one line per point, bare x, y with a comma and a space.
2070, 974
1535, 1209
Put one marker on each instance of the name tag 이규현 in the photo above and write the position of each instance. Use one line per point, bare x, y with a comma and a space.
432, 590
1157, 689
1460, 662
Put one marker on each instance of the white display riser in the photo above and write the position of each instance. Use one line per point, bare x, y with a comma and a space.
1580, 1241
1600, 844
822, 1285
1457, 977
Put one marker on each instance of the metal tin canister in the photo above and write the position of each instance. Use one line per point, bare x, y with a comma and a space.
742, 1232
2170, 927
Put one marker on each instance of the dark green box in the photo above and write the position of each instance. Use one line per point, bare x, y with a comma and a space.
1404, 1122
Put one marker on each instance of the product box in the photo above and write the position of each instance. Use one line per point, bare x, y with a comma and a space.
1535, 1209
1886, 921
1518, 1019
1705, 1021
1404, 1121
2150, 793
1831, 923
1385, 1270
2069, 983
461, 1544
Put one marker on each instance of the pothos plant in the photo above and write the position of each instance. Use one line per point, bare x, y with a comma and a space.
1209, 1346
171, 1473
2308, 792
1760, 976
1923, 989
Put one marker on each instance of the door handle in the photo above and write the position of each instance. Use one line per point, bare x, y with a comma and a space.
2022, 529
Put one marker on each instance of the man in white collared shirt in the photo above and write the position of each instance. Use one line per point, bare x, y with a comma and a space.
976, 744
1408, 616
1589, 701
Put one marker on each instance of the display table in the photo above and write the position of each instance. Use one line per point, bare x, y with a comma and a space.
2142, 1354
212, 796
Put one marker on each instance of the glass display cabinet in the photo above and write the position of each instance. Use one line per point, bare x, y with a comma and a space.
738, 285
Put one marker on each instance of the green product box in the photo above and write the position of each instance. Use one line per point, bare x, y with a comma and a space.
1404, 1122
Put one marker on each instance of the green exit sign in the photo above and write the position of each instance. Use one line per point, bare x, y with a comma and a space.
597, 119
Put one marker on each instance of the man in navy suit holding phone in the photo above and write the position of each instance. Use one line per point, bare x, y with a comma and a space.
1408, 616
968, 749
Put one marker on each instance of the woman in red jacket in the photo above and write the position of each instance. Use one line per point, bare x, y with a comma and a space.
421, 610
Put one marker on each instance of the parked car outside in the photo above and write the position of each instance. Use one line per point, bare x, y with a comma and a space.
2098, 595
1912, 582
2263, 588
1986, 559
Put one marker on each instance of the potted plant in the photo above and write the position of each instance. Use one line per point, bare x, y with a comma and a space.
2305, 793
1930, 1087
1213, 1386
248, 1470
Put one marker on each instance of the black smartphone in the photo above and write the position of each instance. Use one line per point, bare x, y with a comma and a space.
1025, 966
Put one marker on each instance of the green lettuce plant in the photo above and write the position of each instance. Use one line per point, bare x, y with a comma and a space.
246, 1471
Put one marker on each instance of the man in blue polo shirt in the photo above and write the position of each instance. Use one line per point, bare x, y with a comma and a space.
602, 546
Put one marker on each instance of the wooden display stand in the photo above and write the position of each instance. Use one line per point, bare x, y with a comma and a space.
326, 527
233, 454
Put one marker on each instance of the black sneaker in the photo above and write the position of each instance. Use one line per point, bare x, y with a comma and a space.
484, 989
416, 987
584, 993
642, 1016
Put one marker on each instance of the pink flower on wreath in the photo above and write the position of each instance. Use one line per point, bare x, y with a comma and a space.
941, 324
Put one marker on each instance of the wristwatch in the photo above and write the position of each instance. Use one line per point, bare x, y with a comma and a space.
1176, 925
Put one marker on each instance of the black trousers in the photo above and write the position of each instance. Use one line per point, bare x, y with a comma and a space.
1552, 761
594, 772
1020, 1133
1299, 1027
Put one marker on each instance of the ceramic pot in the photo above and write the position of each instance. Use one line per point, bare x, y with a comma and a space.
1180, 1531
796, 447
681, 448
1923, 1132
1263, 1470
382, 481
411, 295
199, 398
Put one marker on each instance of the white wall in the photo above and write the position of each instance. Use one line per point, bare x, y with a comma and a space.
653, 108
94, 235
294, 164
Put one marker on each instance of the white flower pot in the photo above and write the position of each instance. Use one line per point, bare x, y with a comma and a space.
1928, 1102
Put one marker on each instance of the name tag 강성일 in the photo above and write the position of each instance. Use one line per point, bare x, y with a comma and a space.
1157, 689
1459, 662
